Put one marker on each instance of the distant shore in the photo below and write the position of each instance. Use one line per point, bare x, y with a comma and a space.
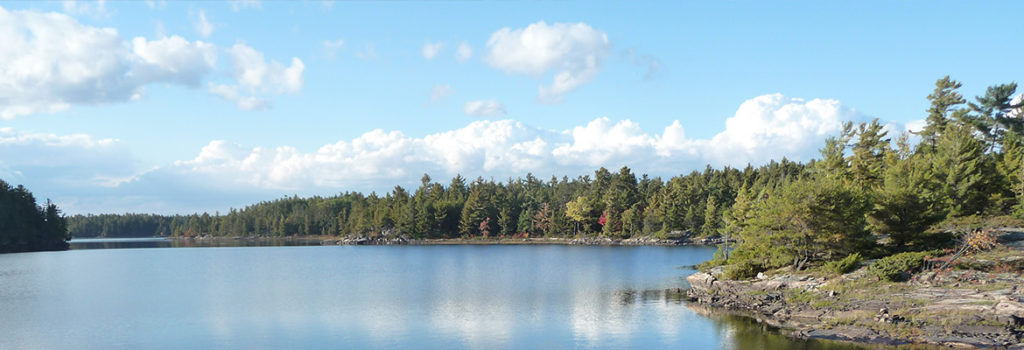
401, 240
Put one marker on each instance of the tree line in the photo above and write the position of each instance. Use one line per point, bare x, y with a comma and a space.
872, 195
618, 205
26, 226
867, 187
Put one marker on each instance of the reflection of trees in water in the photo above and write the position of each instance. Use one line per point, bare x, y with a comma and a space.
189, 243
633, 296
740, 332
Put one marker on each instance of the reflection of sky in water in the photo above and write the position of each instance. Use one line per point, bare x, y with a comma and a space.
317, 297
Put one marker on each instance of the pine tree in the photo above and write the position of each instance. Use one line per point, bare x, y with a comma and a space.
712, 218
907, 204
1011, 167
959, 166
867, 163
990, 114
943, 100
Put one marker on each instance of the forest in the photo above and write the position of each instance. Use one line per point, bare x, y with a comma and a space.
868, 192
25, 226
608, 204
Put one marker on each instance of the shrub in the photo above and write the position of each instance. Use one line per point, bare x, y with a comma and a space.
898, 267
716, 260
741, 270
849, 263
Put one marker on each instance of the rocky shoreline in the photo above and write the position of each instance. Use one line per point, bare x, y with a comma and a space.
955, 308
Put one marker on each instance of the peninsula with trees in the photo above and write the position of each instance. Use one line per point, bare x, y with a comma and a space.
26, 226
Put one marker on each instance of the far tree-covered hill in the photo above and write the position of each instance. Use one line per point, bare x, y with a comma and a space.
25, 226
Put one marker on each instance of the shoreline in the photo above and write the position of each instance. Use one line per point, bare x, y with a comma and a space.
360, 240
979, 304
770, 302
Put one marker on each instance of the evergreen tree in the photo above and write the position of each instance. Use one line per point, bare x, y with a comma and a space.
944, 99
26, 227
959, 165
907, 204
867, 163
990, 114
1011, 167
804, 221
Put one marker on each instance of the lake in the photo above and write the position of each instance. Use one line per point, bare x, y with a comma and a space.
399, 297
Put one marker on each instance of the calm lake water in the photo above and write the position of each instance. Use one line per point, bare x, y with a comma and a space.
400, 297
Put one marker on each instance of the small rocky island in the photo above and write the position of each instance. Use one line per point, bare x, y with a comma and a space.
973, 301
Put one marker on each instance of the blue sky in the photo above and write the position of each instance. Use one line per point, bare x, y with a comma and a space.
174, 107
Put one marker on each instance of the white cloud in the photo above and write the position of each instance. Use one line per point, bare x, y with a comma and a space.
763, 128
484, 108
174, 59
440, 92
253, 71
202, 25
1016, 101
776, 126
257, 77
238, 5
95, 9
51, 61
246, 103
463, 52
98, 173
916, 125
431, 49
574, 52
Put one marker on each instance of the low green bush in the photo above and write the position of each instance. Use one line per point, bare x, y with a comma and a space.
898, 267
741, 270
849, 263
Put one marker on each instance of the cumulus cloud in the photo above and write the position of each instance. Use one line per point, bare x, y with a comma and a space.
256, 77
50, 62
763, 128
223, 173
440, 92
484, 108
202, 25
573, 51
916, 126
776, 126
1019, 102
431, 49
246, 103
174, 59
253, 71
463, 52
